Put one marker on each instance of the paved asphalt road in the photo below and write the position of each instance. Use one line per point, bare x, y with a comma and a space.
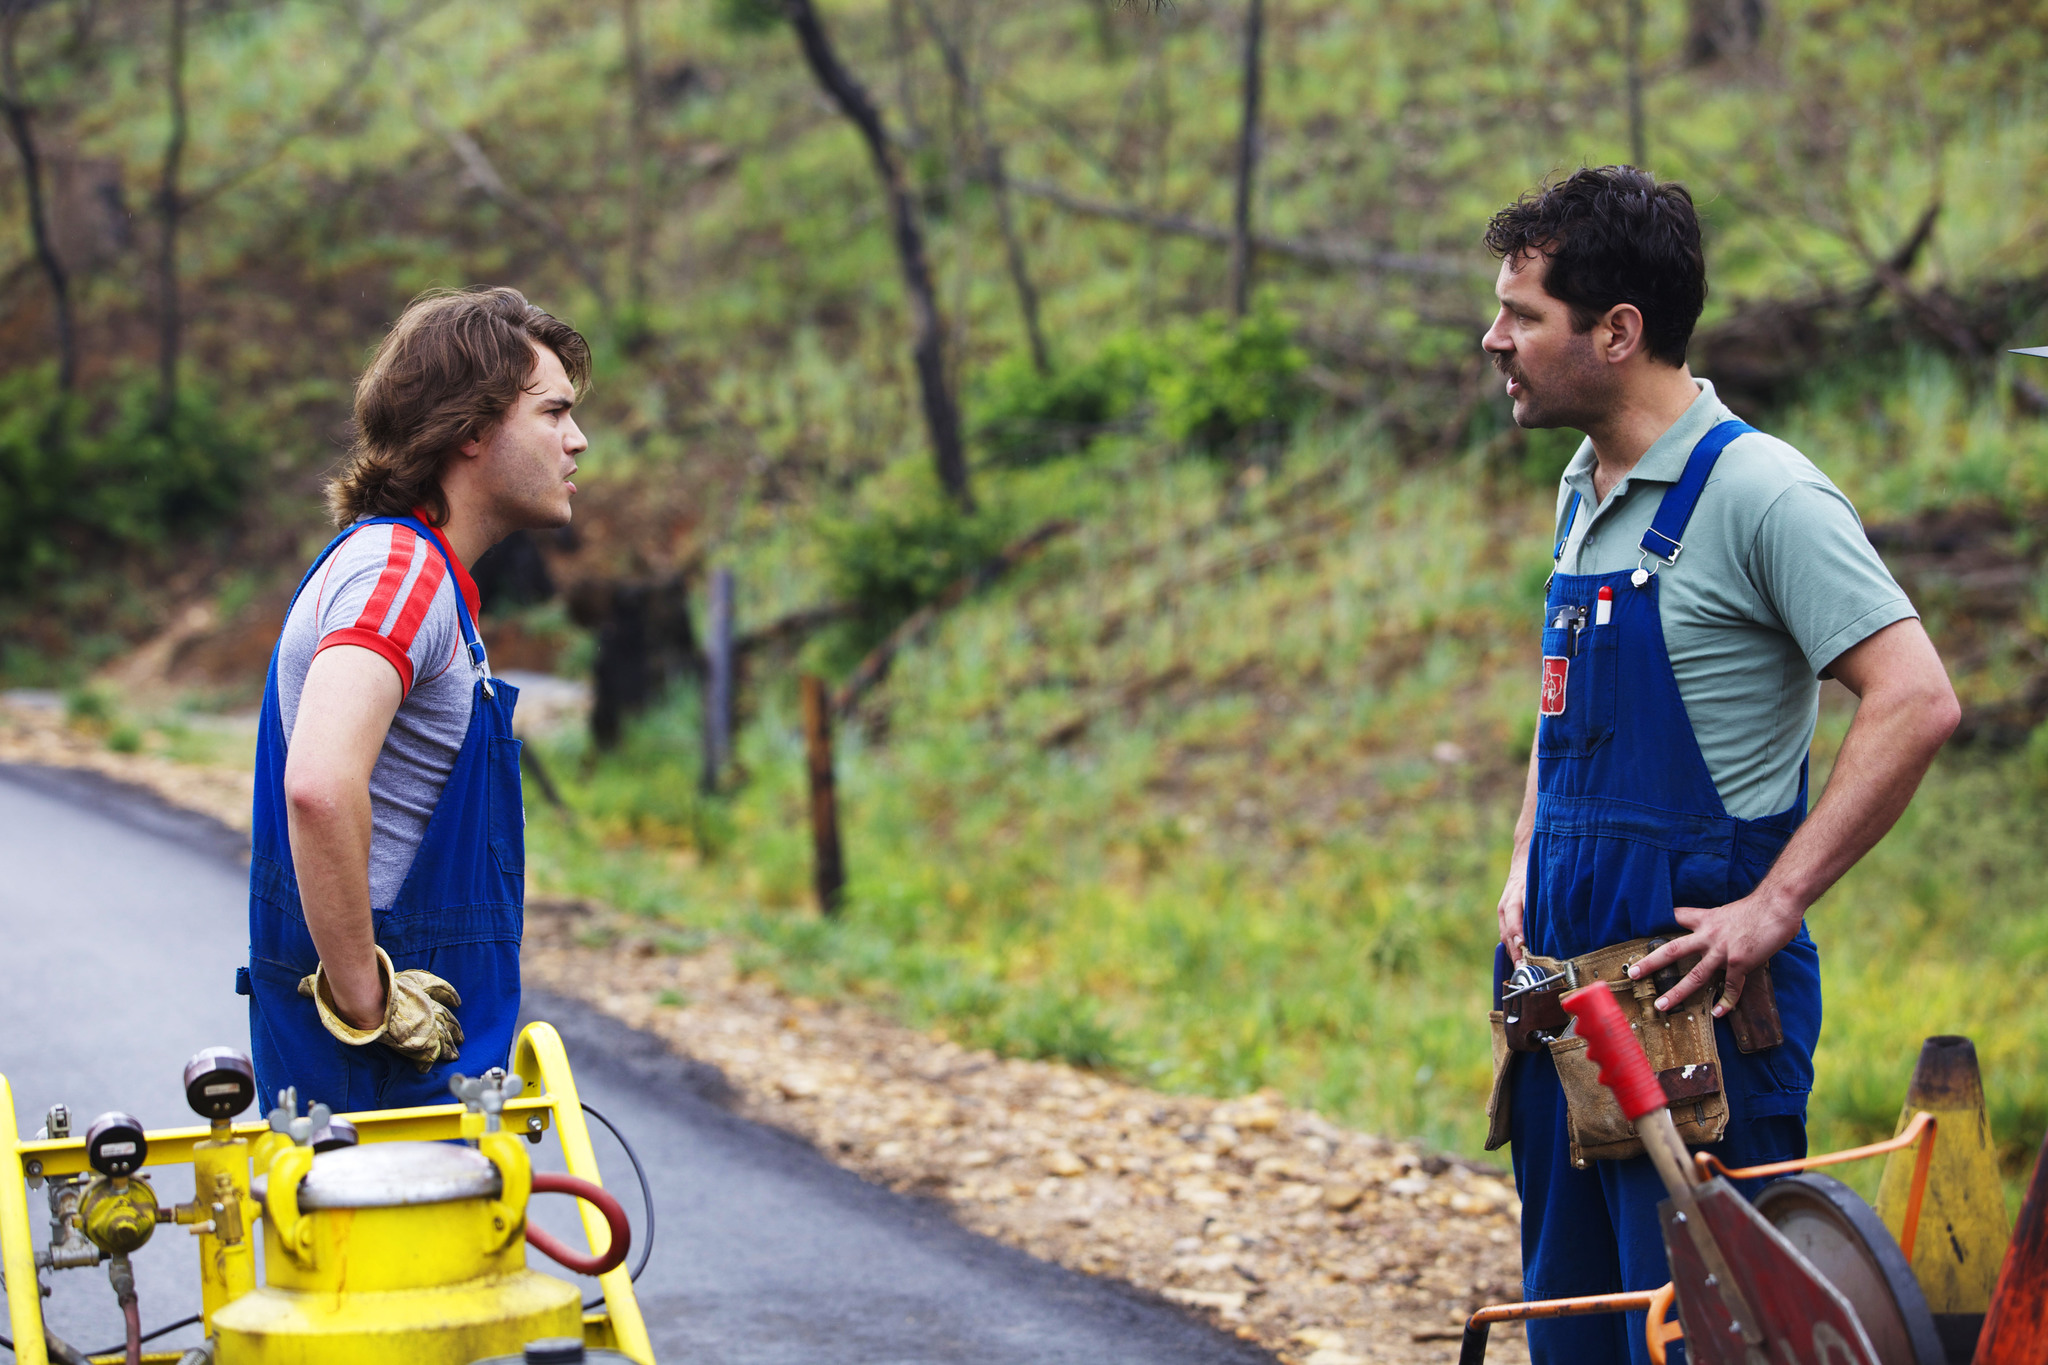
121, 923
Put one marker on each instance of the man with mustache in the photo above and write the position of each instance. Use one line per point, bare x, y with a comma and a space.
386, 876
1706, 578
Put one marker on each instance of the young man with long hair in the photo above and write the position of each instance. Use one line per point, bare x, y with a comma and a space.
386, 881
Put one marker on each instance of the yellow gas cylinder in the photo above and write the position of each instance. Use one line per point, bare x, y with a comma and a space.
393, 1252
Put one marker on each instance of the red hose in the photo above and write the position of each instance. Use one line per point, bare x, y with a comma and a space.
131, 1309
551, 1182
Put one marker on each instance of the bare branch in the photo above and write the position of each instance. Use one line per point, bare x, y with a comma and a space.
484, 175
377, 34
1326, 255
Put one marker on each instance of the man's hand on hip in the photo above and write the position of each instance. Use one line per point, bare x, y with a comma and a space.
1736, 938
1906, 711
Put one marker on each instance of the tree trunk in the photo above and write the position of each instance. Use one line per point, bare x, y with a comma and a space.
970, 96
1632, 52
941, 414
169, 323
1247, 162
637, 208
21, 130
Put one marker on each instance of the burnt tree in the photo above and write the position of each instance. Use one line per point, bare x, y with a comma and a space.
941, 411
1247, 160
169, 323
993, 174
644, 643
20, 115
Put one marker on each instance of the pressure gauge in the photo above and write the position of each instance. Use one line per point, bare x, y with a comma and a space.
115, 1144
220, 1083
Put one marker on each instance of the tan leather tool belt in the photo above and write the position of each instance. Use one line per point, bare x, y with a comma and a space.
1680, 1045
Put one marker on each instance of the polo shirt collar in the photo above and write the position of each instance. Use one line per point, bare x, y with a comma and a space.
1665, 460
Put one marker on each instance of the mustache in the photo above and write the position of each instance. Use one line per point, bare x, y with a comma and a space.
1505, 366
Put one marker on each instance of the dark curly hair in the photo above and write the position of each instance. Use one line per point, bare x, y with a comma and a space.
451, 366
1613, 235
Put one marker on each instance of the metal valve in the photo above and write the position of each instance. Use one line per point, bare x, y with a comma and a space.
300, 1128
486, 1094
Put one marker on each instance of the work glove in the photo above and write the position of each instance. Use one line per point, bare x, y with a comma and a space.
419, 1020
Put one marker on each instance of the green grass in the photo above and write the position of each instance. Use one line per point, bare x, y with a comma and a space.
1218, 794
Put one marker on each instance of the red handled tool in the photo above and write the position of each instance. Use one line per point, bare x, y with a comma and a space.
1745, 1293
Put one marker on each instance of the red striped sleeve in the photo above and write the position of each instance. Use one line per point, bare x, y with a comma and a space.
404, 546
376, 644
432, 570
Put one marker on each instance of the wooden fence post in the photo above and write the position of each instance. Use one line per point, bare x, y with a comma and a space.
828, 869
718, 681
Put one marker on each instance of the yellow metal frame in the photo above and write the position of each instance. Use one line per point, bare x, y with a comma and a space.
538, 1057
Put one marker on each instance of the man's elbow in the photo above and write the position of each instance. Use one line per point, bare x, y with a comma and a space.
1941, 715
1933, 712
313, 797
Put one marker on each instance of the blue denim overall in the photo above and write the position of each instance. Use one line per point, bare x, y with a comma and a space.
1629, 825
458, 914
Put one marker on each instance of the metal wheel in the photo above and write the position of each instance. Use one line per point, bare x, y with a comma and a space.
1849, 1245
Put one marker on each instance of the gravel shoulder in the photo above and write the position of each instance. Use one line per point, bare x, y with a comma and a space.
1321, 1244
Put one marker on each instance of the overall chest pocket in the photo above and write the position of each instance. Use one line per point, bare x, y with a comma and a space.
1576, 704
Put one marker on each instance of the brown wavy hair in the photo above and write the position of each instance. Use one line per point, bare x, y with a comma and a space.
450, 368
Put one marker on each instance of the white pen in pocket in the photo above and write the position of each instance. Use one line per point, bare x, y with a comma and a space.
1603, 608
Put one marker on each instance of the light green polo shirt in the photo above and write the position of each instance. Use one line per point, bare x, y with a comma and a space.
1776, 581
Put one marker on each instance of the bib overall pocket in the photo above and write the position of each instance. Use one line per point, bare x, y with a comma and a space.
1576, 704
507, 807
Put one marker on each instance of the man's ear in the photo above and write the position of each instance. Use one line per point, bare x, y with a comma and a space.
471, 448
1619, 334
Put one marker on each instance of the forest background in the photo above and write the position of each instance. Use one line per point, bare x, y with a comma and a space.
1213, 787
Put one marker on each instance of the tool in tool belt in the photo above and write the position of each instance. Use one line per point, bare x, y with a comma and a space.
1534, 1019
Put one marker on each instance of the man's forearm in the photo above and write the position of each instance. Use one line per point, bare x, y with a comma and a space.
1886, 753
330, 836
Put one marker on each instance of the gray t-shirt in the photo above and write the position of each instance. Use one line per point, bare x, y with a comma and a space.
1777, 580
387, 589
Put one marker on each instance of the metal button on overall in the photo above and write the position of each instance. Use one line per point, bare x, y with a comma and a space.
1629, 826
458, 914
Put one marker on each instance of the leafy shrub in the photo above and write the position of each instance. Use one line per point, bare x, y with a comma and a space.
746, 16
100, 469
1027, 418
892, 561
1228, 386
1050, 1024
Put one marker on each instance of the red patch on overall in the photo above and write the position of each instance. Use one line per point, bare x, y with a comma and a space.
1554, 671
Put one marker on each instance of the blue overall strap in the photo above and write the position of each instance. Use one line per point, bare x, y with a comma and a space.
1564, 527
1666, 536
479, 662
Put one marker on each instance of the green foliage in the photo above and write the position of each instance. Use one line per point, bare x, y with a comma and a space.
888, 561
1025, 417
1222, 387
1062, 1025
99, 470
747, 16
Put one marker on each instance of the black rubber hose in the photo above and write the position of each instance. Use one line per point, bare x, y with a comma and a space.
646, 1201
7, 1345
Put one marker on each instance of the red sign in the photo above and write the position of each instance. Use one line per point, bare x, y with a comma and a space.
1554, 671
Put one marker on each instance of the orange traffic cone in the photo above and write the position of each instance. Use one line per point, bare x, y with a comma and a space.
2016, 1328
